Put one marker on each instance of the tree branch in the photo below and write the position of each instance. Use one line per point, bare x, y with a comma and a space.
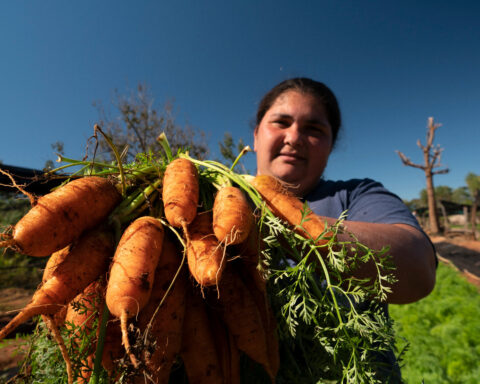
408, 162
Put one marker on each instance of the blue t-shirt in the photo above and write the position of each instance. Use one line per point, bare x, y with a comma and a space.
369, 201
363, 199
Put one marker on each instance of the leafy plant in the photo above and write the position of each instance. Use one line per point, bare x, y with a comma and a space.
443, 332
332, 326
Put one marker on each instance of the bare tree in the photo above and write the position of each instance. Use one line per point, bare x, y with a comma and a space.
138, 123
432, 159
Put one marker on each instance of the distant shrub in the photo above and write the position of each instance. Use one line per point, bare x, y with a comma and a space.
17, 270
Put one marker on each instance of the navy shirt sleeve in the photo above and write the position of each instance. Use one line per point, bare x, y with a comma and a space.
362, 199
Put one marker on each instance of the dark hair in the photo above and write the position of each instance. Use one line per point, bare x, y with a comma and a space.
307, 86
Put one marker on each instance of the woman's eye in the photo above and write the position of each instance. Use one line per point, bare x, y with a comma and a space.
280, 123
316, 129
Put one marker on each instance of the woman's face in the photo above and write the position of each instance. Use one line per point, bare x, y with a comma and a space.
293, 141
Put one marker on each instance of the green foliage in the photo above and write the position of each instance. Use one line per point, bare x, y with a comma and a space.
327, 331
229, 150
17, 270
12, 208
473, 183
45, 364
137, 124
443, 332
461, 195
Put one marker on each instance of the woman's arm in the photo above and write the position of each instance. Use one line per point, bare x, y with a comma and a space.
412, 253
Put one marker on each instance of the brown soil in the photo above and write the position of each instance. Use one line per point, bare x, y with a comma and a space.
13, 350
462, 254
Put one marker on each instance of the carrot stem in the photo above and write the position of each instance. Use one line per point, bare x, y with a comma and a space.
163, 141
97, 365
242, 152
117, 157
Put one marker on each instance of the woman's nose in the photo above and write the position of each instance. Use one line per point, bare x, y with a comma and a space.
293, 136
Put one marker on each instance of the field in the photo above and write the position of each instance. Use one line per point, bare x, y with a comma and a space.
443, 330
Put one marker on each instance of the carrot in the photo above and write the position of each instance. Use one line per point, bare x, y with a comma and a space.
256, 284
53, 261
113, 349
55, 332
132, 272
242, 317
85, 261
63, 215
81, 314
228, 353
289, 208
164, 325
180, 193
248, 265
199, 353
205, 256
250, 254
232, 216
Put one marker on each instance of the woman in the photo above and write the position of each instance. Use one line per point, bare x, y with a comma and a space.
296, 129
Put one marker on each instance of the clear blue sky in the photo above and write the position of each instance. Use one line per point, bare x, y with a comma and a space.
391, 64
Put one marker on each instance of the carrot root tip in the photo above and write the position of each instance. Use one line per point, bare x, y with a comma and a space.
126, 341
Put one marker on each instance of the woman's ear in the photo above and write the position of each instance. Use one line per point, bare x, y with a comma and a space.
255, 139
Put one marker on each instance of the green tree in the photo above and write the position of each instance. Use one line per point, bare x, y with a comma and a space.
230, 150
461, 195
443, 192
473, 184
138, 123
57, 147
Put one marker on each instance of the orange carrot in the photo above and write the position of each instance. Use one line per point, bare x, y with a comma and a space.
249, 268
199, 353
113, 349
164, 325
242, 317
55, 332
87, 259
63, 215
180, 192
232, 216
205, 256
289, 208
256, 284
227, 350
132, 272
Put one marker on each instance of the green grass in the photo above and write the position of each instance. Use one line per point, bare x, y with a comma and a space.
17, 270
443, 332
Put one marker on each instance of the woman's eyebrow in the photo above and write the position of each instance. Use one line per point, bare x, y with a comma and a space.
317, 121
280, 115
314, 121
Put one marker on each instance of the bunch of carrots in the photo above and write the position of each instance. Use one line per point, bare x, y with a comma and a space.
159, 266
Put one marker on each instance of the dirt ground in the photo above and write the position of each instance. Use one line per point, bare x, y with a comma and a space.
462, 254
12, 350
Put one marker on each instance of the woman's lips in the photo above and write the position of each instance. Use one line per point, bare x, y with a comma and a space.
291, 157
